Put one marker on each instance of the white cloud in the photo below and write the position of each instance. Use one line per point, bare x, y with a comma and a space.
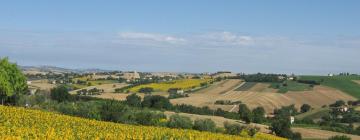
139, 36
227, 38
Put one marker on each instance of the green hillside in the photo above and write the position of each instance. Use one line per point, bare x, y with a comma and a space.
343, 83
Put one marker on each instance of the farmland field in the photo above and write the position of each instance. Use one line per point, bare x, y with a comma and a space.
262, 87
343, 83
320, 95
208, 96
315, 113
290, 86
42, 84
246, 86
20, 123
184, 84
219, 121
308, 133
108, 88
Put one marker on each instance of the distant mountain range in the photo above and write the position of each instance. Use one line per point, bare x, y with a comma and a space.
55, 69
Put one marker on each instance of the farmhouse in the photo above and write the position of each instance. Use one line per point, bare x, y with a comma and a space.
180, 91
292, 119
343, 108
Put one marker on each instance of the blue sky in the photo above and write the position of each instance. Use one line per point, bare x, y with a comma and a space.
305, 37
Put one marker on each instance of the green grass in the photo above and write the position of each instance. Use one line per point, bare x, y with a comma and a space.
98, 82
246, 86
357, 108
291, 86
312, 126
342, 83
93, 83
315, 113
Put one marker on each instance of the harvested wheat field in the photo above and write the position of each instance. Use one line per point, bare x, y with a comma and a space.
308, 133
108, 88
42, 84
219, 121
262, 87
319, 96
208, 96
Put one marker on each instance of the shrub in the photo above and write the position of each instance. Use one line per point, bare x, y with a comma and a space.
88, 110
133, 100
305, 108
311, 82
343, 137
146, 90
112, 111
296, 136
177, 95
252, 131
245, 113
145, 117
281, 127
156, 101
258, 115
338, 103
177, 121
232, 129
60, 94
205, 125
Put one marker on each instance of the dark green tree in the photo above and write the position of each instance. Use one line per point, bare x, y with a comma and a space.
133, 100
60, 94
281, 127
338, 103
258, 115
305, 108
156, 101
245, 113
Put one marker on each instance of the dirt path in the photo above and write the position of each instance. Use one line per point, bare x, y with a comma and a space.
232, 109
357, 81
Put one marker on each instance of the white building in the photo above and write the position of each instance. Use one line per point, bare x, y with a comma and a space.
292, 119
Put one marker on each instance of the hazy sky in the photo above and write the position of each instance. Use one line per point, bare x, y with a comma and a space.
304, 37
